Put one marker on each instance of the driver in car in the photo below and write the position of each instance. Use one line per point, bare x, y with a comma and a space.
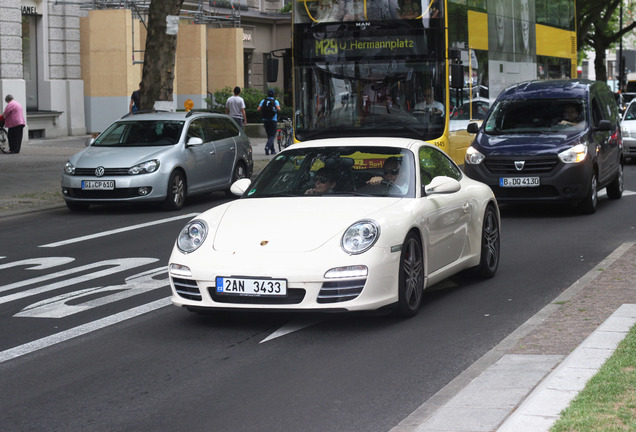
391, 169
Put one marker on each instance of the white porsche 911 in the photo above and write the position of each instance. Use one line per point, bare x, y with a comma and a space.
343, 224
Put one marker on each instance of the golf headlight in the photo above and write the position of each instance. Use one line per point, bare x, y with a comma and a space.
145, 167
575, 154
360, 236
69, 168
473, 156
192, 236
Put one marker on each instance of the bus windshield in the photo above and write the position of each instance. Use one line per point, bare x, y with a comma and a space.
367, 67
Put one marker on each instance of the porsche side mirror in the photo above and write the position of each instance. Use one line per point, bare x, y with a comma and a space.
240, 186
442, 185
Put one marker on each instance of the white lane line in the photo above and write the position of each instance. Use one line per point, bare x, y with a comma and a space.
290, 328
603, 193
81, 330
117, 231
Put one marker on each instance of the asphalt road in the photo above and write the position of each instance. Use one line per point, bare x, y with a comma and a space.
114, 356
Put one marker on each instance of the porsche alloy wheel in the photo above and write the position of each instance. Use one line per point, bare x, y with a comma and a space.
490, 241
411, 277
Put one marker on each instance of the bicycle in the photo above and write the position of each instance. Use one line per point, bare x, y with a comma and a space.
284, 135
4, 139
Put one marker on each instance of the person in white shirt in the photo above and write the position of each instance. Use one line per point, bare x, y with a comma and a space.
235, 107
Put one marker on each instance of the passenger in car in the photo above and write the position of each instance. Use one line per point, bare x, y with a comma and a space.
326, 181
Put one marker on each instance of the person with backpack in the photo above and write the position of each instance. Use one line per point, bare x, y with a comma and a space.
269, 107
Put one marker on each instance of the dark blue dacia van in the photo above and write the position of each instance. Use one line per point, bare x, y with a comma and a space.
550, 141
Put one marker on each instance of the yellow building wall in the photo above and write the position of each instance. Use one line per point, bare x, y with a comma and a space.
191, 68
106, 47
225, 58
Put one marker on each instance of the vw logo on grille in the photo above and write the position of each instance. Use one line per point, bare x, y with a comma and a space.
99, 171
519, 165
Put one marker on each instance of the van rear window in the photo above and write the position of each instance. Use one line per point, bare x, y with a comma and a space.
536, 116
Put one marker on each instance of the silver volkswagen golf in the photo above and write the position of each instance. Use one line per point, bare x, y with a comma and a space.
158, 157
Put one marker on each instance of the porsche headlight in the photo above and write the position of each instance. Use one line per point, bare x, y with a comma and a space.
360, 236
69, 168
575, 154
192, 236
474, 156
144, 167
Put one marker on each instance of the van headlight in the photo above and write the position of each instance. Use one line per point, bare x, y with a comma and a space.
575, 154
474, 156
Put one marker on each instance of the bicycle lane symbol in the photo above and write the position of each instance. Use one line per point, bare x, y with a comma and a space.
73, 302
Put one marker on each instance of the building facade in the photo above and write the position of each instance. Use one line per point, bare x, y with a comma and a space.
74, 64
40, 65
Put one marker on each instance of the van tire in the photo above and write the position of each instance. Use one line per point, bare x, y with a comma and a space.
589, 203
615, 188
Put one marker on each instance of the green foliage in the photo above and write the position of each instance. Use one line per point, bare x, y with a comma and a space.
286, 9
252, 97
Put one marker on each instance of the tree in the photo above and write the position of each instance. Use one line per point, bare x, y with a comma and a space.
159, 55
598, 28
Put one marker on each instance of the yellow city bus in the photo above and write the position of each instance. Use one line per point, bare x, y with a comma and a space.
420, 69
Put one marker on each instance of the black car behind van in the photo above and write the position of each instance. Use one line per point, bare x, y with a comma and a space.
550, 141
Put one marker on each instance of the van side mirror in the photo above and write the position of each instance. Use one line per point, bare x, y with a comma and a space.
472, 128
604, 126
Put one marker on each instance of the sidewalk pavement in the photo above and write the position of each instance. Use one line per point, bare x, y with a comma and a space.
520, 385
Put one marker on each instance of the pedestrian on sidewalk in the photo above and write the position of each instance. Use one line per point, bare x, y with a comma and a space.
135, 99
269, 108
14, 122
235, 107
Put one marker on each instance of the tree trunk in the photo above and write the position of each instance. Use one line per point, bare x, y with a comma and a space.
599, 63
159, 55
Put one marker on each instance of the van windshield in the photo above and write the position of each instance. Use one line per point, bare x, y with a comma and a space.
537, 116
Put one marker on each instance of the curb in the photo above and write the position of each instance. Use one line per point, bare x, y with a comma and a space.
463, 405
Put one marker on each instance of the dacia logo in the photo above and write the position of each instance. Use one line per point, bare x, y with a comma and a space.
519, 165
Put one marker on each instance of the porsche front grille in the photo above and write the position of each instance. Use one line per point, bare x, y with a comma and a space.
340, 291
186, 288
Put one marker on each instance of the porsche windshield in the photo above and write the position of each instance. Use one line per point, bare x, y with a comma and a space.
142, 133
384, 76
333, 171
